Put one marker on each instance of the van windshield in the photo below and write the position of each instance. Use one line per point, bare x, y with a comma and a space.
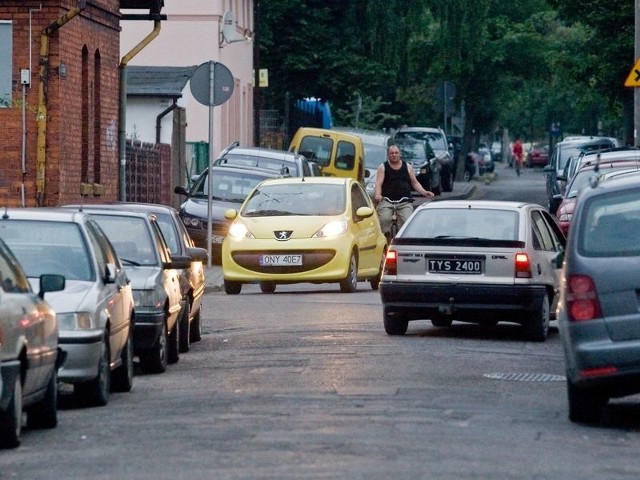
317, 149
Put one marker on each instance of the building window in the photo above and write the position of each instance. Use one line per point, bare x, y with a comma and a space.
6, 62
97, 123
84, 128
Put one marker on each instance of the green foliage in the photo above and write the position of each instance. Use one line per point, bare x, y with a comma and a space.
520, 64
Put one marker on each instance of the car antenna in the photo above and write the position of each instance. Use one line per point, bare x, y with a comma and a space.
5, 215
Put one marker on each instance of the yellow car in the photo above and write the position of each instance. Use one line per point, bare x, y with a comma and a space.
303, 229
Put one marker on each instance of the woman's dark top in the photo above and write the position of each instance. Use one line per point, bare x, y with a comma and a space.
396, 182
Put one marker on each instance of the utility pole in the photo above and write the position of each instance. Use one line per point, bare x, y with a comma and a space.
636, 92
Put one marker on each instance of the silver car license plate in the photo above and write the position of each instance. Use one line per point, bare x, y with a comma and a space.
466, 266
280, 260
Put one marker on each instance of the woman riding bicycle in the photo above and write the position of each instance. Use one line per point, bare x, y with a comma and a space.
394, 180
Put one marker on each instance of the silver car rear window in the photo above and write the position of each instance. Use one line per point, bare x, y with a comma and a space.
463, 223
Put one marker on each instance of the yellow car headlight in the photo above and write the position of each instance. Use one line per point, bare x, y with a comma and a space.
239, 230
332, 229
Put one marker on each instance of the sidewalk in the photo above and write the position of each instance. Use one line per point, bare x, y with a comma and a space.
461, 190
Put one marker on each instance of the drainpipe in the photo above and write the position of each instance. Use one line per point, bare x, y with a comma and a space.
122, 129
166, 111
41, 116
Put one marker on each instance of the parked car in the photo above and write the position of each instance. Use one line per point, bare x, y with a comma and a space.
292, 230
338, 154
563, 206
561, 154
437, 140
29, 351
496, 151
180, 245
155, 280
95, 309
598, 156
280, 161
230, 186
375, 153
598, 314
428, 170
473, 261
538, 155
486, 164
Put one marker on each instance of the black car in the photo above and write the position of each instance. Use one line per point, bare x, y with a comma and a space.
229, 187
419, 154
561, 154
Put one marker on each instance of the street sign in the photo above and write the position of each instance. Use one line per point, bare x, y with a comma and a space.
633, 80
201, 83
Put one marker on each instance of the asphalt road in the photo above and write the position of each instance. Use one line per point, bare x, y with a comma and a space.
305, 384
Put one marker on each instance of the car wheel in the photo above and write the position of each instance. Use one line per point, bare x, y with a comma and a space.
44, 414
447, 180
232, 288
350, 283
154, 360
441, 322
96, 392
267, 287
584, 406
184, 331
195, 331
375, 281
11, 418
537, 326
394, 324
122, 377
466, 176
173, 347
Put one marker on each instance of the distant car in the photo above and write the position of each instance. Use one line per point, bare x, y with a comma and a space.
29, 352
486, 161
598, 314
231, 185
560, 156
496, 151
180, 245
293, 230
95, 310
155, 280
427, 169
473, 261
563, 206
280, 161
538, 156
439, 144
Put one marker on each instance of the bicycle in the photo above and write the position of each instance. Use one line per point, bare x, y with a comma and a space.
394, 227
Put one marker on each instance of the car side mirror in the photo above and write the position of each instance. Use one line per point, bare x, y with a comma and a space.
558, 260
364, 212
109, 273
555, 202
197, 254
51, 283
180, 190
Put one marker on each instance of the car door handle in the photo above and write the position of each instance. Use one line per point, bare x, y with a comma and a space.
539, 270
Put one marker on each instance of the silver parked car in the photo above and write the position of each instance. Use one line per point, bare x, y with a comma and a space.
95, 310
473, 261
154, 273
29, 352
180, 245
599, 315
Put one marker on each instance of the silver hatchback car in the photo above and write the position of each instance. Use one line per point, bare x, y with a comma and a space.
473, 261
599, 310
95, 310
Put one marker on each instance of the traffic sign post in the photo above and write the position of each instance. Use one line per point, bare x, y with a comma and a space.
211, 84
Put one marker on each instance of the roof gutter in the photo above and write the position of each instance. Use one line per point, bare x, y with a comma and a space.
122, 128
41, 116
161, 115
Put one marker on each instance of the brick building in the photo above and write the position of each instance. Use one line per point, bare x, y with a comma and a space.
60, 99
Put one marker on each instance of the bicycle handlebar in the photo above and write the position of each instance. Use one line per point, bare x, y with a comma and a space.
402, 200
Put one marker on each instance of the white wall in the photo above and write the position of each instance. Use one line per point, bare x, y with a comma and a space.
191, 36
